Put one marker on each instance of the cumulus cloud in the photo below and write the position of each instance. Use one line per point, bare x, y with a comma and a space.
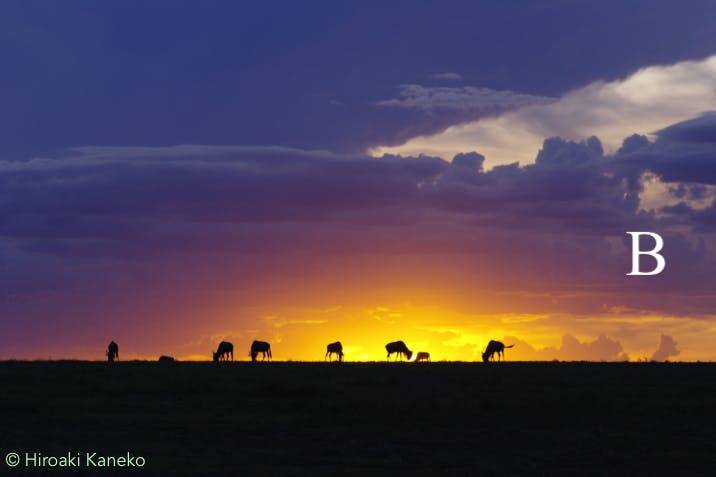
603, 348
667, 348
484, 100
643, 103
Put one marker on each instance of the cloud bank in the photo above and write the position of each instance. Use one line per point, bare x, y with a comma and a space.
268, 226
603, 348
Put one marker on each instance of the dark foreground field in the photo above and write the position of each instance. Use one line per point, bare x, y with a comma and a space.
203, 419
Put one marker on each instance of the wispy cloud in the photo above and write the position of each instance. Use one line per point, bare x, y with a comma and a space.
465, 99
448, 76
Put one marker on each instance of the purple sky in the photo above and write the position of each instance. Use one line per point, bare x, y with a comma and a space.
174, 174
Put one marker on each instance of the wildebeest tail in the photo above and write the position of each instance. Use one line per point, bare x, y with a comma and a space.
509, 346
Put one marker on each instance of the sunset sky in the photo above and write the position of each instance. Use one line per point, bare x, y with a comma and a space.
175, 174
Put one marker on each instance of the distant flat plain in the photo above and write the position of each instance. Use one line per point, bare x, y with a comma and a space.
364, 419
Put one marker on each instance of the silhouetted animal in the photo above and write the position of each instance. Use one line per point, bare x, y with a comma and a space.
422, 356
400, 348
336, 348
492, 348
225, 350
166, 359
260, 347
112, 352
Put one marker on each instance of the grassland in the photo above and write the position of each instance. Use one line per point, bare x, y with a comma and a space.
371, 419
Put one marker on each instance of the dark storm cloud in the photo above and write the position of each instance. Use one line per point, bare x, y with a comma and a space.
108, 192
562, 219
684, 157
683, 152
101, 192
571, 185
697, 130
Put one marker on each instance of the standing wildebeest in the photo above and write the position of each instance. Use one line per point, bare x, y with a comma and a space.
260, 347
492, 348
400, 348
112, 352
225, 350
422, 356
336, 348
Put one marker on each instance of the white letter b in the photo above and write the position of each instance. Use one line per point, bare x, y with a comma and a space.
635, 252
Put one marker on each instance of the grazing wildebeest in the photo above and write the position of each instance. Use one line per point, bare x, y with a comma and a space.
166, 359
422, 356
336, 348
260, 347
225, 350
492, 348
112, 352
400, 348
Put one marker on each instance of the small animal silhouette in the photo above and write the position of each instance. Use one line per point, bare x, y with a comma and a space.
336, 348
166, 359
112, 351
492, 348
422, 356
400, 348
260, 347
224, 350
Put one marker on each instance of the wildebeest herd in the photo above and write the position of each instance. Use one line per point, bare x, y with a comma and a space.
225, 352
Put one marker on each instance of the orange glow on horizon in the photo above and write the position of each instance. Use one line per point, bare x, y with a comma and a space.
444, 325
